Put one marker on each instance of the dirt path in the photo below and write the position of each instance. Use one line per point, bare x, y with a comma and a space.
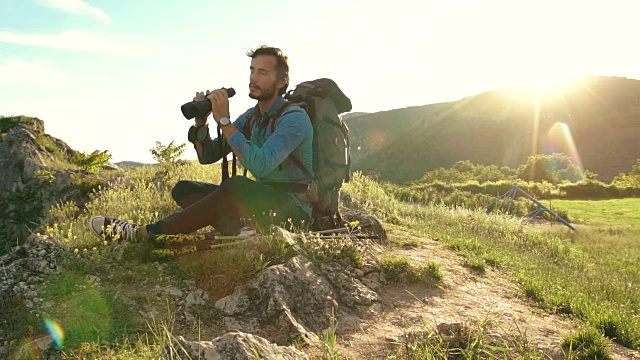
463, 298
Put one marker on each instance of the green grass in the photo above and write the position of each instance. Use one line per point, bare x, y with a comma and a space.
483, 339
609, 240
469, 340
587, 344
404, 241
615, 213
608, 232
592, 274
92, 314
329, 340
581, 274
87, 313
475, 263
8, 123
403, 270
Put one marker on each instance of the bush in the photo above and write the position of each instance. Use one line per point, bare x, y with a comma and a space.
91, 162
589, 189
464, 171
167, 154
8, 123
630, 180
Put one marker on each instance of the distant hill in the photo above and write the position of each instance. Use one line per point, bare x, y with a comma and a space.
499, 127
352, 115
130, 164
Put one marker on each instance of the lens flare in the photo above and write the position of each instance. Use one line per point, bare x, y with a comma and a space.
560, 140
375, 138
55, 331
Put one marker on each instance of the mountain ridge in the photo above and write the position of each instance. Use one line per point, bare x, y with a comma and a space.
602, 115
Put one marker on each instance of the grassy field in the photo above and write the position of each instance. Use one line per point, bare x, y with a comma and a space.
613, 213
608, 231
591, 275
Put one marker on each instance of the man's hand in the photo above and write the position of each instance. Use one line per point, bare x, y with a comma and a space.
219, 103
201, 96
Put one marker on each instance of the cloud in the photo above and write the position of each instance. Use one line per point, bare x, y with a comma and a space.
79, 40
21, 72
78, 7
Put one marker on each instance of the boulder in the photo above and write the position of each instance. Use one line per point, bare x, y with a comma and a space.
24, 269
368, 223
32, 178
235, 346
296, 300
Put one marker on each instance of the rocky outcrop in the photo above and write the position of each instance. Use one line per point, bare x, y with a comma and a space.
296, 300
23, 271
293, 301
25, 149
26, 187
35, 174
287, 301
239, 346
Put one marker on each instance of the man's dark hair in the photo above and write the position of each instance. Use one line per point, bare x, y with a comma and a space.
282, 68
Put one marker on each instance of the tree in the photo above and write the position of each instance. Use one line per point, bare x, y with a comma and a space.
631, 179
554, 168
167, 154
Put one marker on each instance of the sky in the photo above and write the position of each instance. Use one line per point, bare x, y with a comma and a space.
112, 74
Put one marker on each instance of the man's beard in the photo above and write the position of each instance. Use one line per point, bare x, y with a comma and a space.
267, 94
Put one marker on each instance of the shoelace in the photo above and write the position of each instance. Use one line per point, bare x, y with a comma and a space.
127, 230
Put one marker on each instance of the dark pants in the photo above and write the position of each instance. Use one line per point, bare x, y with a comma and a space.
228, 207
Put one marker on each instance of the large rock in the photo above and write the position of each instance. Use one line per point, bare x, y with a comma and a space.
368, 223
296, 300
31, 179
27, 264
237, 346
23, 271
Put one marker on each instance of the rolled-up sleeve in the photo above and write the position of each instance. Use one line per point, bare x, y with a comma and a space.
210, 152
292, 129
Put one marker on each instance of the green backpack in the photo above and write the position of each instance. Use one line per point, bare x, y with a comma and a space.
323, 101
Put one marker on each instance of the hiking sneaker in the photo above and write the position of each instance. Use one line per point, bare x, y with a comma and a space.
247, 231
108, 228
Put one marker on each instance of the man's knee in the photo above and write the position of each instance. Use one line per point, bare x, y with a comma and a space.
237, 184
181, 189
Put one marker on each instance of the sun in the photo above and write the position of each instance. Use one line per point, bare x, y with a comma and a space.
546, 80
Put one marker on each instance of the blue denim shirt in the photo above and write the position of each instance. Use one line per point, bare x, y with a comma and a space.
266, 154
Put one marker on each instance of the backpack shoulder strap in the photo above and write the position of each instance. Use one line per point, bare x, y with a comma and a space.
246, 130
273, 121
301, 166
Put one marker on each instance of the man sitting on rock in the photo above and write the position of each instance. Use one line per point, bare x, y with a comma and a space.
267, 153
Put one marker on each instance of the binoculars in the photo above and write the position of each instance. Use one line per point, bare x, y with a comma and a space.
200, 108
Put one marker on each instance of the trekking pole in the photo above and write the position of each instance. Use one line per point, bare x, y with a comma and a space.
337, 230
330, 231
324, 237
